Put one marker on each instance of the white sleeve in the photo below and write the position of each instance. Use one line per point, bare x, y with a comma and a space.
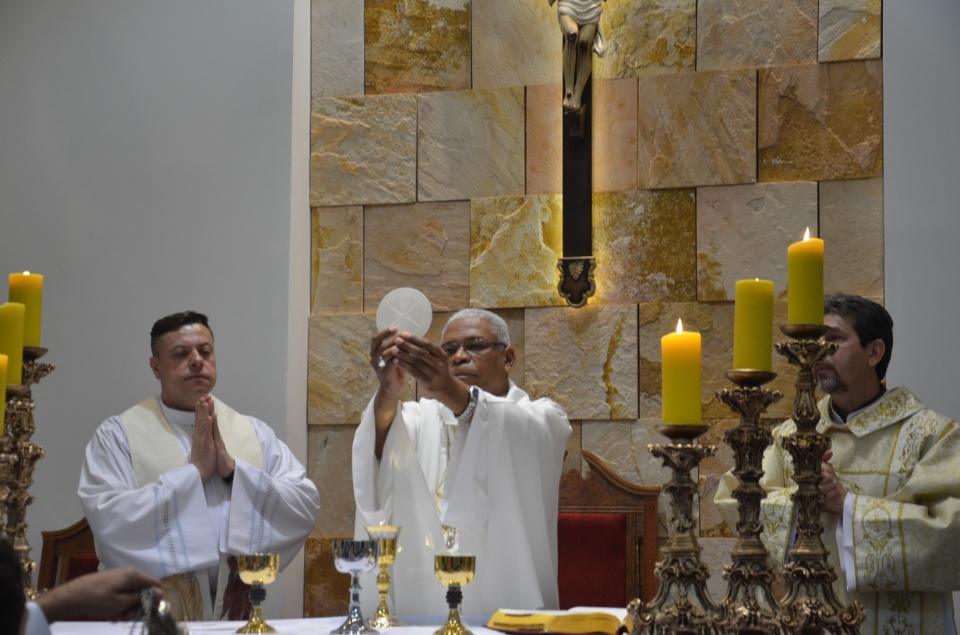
36, 620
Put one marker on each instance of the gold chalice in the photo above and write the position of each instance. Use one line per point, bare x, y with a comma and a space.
257, 570
454, 570
387, 537
355, 557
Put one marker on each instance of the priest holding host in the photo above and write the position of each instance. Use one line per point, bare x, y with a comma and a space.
180, 484
891, 483
473, 466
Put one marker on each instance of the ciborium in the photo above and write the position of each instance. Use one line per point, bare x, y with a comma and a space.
387, 537
355, 557
257, 570
454, 570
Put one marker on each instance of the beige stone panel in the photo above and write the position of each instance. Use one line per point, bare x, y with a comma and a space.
422, 245
647, 37
340, 381
416, 45
742, 33
515, 43
515, 245
363, 150
849, 29
709, 471
821, 122
585, 359
743, 231
337, 263
645, 246
697, 129
614, 137
715, 554
851, 225
329, 466
471, 144
336, 48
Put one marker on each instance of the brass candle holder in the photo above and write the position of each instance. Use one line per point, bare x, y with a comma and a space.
750, 606
810, 605
683, 605
18, 457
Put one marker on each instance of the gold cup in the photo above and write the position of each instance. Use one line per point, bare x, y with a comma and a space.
387, 536
257, 570
454, 570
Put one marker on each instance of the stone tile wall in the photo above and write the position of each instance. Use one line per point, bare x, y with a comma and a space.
720, 132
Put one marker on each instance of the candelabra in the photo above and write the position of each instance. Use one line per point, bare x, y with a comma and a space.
682, 605
18, 457
750, 605
810, 606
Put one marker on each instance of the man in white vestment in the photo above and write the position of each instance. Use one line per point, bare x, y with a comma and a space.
477, 455
180, 484
891, 483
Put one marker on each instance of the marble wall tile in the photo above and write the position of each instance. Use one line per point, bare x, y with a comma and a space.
741, 33
328, 464
697, 129
337, 262
743, 231
363, 150
515, 244
647, 37
851, 225
471, 144
422, 245
340, 381
336, 48
566, 347
326, 591
714, 555
821, 122
849, 29
645, 246
709, 471
614, 137
416, 45
515, 43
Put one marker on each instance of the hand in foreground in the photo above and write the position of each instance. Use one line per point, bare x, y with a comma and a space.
106, 595
833, 490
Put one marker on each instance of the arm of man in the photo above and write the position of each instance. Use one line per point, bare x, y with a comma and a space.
106, 595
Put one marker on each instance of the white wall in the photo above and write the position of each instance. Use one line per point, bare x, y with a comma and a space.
145, 168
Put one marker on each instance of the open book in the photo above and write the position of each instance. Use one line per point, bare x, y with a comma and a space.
580, 620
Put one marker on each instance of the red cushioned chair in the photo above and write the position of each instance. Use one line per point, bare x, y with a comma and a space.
607, 538
66, 554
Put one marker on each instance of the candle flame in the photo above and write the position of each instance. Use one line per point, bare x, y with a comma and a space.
26, 273
806, 234
679, 325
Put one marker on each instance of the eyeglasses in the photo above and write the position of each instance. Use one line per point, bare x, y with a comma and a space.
473, 347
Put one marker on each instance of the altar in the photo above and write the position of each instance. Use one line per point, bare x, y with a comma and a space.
304, 626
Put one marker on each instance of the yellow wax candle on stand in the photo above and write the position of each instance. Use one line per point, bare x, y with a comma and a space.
3, 390
805, 281
11, 340
680, 368
753, 325
27, 289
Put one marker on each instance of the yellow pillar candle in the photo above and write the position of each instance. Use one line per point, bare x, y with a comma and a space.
805, 281
27, 289
681, 374
3, 391
753, 325
11, 340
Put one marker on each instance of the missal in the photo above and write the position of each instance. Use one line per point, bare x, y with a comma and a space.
581, 620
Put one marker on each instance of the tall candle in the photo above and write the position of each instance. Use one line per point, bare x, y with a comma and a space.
805, 281
753, 325
27, 289
3, 390
680, 367
11, 340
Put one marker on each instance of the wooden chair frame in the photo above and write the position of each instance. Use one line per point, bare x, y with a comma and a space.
58, 547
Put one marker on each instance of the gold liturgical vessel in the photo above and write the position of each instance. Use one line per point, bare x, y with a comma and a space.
454, 570
257, 570
387, 537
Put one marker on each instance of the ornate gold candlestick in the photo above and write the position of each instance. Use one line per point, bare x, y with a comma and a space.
18, 457
682, 605
750, 605
810, 605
